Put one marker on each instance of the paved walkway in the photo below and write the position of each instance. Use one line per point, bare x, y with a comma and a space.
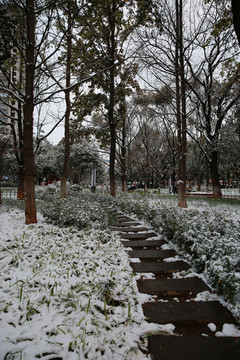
192, 338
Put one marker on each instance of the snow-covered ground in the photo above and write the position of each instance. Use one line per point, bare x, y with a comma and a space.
70, 294
67, 294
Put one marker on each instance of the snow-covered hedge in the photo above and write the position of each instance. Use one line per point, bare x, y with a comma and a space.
47, 192
81, 211
208, 236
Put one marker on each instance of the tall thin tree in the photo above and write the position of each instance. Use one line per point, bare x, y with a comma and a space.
67, 100
181, 105
28, 153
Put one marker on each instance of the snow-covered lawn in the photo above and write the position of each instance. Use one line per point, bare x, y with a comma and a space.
67, 294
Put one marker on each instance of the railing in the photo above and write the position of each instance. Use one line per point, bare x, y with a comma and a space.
231, 193
8, 193
226, 194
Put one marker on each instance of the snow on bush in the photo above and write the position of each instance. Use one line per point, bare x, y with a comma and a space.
207, 235
46, 192
67, 294
78, 211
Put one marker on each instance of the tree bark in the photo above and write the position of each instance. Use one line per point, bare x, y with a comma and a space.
181, 107
123, 159
28, 154
65, 173
112, 160
20, 191
182, 200
0, 174
111, 120
215, 176
19, 152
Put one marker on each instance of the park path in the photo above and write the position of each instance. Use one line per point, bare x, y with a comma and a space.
193, 338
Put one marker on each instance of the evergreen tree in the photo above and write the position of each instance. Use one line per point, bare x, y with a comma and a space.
101, 48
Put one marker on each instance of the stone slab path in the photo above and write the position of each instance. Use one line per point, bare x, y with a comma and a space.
138, 236
161, 267
151, 254
172, 287
189, 313
173, 300
156, 244
130, 229
194, 348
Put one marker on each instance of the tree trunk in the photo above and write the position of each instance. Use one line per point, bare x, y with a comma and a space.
28, 154
181, 108
20, 191
199, 180
123, 160
0, 182
112, 160
215, 176
65, 173
111, 120
18, 145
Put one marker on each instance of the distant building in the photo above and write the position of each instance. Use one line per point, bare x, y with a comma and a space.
10, 80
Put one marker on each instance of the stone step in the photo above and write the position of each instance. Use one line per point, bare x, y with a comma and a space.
143, 243
130, 229
122, 219
151, 254
114, 212
160, 267
172, 287
126, 224
138, 236
187, 313
194, 348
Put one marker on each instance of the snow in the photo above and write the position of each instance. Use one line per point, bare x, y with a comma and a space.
71, 294
212, 327
135, 260
229, 330
67, 293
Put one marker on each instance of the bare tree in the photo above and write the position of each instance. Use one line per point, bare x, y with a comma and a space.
214, 82
163, 54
